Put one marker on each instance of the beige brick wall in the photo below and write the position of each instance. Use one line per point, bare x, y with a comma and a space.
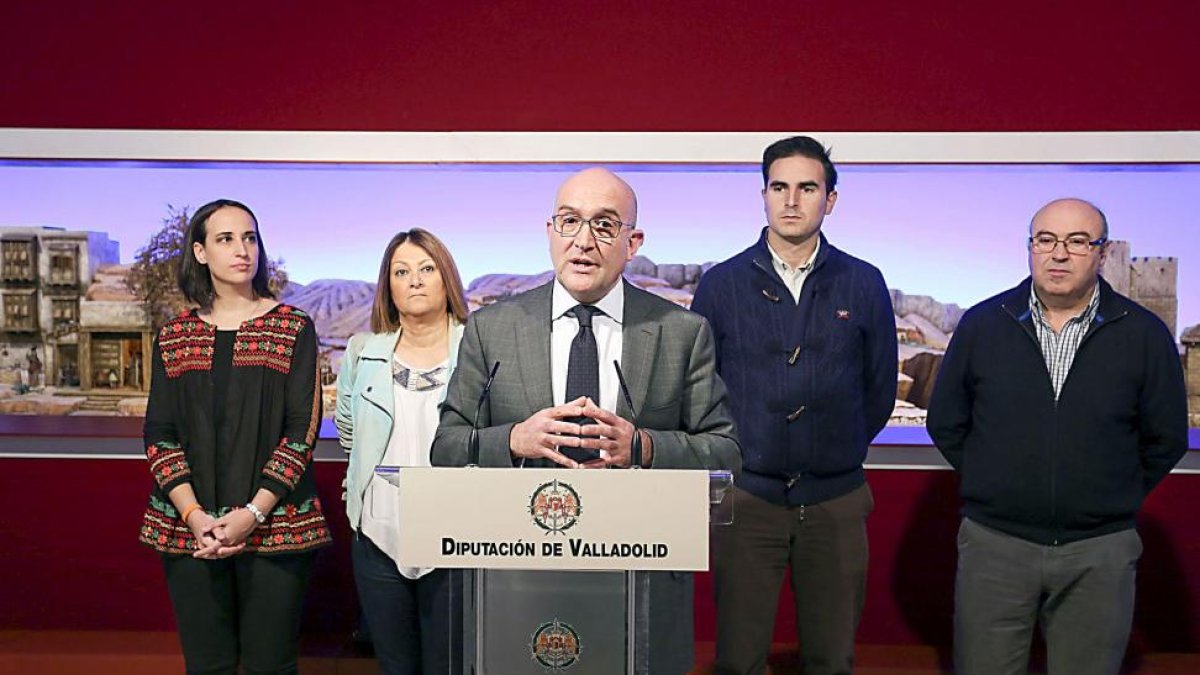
1152, 282
1116, 269
1154, 277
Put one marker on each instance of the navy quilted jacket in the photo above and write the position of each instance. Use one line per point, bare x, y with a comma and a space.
810, 383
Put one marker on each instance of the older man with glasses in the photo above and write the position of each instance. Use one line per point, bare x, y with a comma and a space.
1061, 403
556, 400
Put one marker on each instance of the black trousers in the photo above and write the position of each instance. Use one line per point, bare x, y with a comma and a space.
241, 610
416, 624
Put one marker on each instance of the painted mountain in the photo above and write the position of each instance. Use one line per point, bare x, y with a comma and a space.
342, 308
339, 307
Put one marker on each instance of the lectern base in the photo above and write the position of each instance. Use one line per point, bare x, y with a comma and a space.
537, 622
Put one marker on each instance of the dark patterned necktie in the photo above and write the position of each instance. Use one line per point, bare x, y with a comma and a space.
583, 367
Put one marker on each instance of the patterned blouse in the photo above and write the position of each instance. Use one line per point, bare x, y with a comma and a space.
272, 411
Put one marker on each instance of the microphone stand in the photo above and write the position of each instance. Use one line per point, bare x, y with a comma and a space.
635, 444
473, 438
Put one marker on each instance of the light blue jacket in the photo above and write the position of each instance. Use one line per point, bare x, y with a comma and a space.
364, 414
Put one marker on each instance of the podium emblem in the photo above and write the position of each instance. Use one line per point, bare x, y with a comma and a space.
555, 506
555, 646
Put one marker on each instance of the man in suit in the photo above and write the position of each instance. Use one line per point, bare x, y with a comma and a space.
556, 345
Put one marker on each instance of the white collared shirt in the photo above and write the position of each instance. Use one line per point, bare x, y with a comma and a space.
793, 277
607, 328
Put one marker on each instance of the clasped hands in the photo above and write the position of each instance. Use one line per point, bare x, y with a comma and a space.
221, 537
546, 430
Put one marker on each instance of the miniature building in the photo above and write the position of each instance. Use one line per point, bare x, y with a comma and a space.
45, 336
908, 333
1152, 283
1116, 268
1191, 365
115, 337
1148, 281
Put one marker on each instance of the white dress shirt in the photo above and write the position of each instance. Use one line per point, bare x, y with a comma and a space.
794, 277
607, 328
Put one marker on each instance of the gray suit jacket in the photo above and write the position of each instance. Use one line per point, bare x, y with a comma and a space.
668, 360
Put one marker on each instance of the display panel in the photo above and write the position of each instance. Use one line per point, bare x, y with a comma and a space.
74, 340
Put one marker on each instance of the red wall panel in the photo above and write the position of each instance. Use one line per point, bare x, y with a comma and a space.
72, 561
694, 65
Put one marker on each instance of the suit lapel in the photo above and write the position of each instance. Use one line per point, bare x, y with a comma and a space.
533, 350
639, 343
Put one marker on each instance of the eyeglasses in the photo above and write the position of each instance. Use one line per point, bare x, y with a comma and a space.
603, 227
1076, 244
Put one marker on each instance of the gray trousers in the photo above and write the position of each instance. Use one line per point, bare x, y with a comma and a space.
1081, 593
825, 547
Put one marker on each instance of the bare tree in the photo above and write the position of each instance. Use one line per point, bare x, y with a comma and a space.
154, 277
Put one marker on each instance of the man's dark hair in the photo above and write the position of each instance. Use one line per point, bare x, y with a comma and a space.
195, 281
800, 146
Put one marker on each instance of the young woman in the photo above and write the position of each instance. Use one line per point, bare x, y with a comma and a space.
388, 392
233, 413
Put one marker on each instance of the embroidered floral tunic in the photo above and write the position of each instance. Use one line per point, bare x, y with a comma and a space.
271, 410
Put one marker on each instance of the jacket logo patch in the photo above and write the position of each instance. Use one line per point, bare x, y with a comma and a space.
843, 314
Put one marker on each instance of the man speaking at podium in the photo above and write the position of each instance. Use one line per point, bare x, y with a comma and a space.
557, 399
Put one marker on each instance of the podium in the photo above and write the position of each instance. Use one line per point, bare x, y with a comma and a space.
563, 571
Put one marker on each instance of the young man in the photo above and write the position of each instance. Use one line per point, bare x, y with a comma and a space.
806, 342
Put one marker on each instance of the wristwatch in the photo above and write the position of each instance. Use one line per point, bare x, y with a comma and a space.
256, 512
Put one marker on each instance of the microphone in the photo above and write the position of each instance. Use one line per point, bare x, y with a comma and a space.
635, 445
473, 439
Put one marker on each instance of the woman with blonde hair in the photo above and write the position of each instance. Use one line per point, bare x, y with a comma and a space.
388, 391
